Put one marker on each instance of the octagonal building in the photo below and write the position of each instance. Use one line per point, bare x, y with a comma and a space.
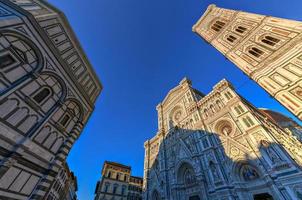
48, 91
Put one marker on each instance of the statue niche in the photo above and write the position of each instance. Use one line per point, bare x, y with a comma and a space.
270, 151
248, 173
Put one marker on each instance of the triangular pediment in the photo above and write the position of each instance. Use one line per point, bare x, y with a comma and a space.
173, 94
177, 91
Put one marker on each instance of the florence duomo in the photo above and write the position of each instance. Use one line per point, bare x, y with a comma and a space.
219, 146
228, 79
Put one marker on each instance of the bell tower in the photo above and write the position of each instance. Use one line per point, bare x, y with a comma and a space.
267, 49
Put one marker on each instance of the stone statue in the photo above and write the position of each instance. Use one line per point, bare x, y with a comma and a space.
273, 155
249, 173
214, 170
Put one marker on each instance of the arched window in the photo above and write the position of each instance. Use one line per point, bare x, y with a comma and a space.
42, 95
231, 38
17, 57
256, 52
228, 95
205, 112
115, 188
269, 40
64, 120
248, 121
107, 186
212, 108
123, 190
68, 115
240, 29
218, 103
239, 109
218, 25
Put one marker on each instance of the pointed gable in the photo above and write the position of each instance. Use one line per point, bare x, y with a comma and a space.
177, 91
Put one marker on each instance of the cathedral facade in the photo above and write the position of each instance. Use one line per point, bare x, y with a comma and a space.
47, 93
219, 147
265, 48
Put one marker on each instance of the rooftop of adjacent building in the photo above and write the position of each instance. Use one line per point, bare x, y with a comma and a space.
113, 165
136, 180
117, 164
71, 176
277, 117
136, 177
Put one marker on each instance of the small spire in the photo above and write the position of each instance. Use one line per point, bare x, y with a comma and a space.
185, 80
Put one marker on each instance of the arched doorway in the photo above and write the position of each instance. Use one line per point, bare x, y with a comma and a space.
188, 182
263, 196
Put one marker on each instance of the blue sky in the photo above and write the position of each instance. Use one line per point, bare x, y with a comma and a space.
141, 49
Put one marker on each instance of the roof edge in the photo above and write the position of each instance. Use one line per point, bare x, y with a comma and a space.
208, 10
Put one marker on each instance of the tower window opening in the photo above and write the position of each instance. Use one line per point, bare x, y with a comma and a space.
269, 40
64, 120
240, 29
217, 26
256, 52
43, 94
231, 38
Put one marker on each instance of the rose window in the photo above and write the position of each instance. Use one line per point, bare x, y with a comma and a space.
177, 116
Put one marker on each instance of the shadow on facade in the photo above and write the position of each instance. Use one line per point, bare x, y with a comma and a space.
199, 165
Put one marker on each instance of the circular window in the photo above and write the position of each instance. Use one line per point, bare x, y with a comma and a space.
177, 115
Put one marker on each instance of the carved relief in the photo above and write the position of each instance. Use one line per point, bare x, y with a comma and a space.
297, 91
225, 127
248, 172
271, 152
298, 192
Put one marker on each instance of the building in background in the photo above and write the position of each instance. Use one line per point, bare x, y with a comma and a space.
219, 146
288, 124
71, 193
135, 188
267, 49
65, 185
48, 90
117, 183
